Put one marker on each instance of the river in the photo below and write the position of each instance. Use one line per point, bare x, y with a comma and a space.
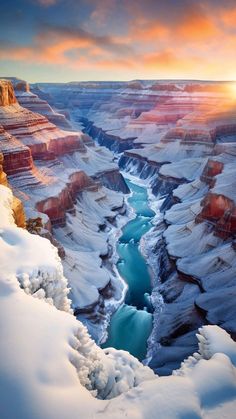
131, 324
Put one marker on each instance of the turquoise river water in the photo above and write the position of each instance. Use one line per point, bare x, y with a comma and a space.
131, 324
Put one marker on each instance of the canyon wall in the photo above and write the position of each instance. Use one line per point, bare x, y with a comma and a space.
59, 175
181, 138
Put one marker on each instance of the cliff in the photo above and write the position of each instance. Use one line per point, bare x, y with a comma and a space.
16, 205
47, 169
7, 94
3, 176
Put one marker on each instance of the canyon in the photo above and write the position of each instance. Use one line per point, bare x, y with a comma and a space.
179, 138
70, 154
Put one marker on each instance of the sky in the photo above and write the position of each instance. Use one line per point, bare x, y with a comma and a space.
70, 40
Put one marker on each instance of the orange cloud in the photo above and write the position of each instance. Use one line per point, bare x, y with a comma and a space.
194, 26
144, 32
197, 26
229, 17
58, 45
194, 45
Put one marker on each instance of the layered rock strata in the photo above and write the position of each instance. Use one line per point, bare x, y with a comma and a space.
180, 137
58, 178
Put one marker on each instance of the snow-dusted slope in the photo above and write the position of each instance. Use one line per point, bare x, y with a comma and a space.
59, 177
50, 368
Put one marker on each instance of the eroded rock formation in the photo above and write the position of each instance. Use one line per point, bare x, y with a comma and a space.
180, 137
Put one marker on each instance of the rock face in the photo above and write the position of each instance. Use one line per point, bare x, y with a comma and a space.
3, 176
16, 205
57, 207
180, 137
58, 176
30, 100
113, 180
7, 95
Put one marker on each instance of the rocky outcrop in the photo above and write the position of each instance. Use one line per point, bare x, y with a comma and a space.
37, 133
3, 176
31, 101
57, 207
18, 213
16, 205
17, 157
7, 95
113, 179
113, 142
218, 206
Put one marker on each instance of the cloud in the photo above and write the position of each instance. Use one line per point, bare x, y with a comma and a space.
194, 25
103, 11
153, 37
60, 45
229, 17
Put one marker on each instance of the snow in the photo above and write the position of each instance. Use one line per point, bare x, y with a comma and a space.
84, 244
225, 182
189, 169
50, 368
191, 191
215, 261
190, 239
183, 213
39, 273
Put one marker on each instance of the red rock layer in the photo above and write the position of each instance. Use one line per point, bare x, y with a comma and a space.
7, 95
3, 176
43, 138
206, 126
57, 206
221, 211
211, 169
17, 157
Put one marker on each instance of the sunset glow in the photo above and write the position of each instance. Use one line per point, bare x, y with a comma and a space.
233, 90
59, 40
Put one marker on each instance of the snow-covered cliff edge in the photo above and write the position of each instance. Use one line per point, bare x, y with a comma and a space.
50, 368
